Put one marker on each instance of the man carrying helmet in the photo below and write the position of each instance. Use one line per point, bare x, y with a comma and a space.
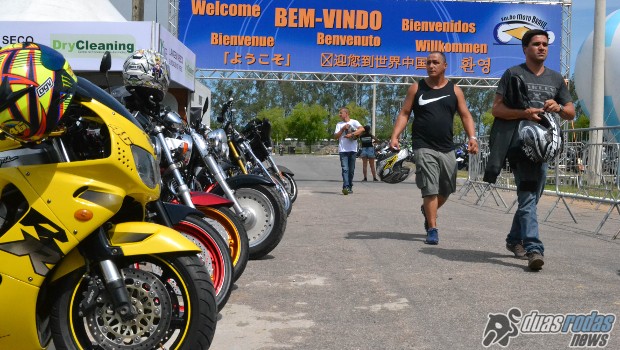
434, 100
347, 131
546, 92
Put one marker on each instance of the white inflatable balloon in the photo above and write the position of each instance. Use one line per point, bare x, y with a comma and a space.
583, 73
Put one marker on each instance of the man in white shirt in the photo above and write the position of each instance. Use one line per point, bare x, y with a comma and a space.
346, 133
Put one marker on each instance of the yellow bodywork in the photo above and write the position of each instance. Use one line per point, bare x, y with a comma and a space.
42, 245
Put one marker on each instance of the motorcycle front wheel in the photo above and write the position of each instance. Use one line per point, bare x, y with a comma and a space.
282, 191
229, 225
215, 254
291, 186
173, 295
265, 220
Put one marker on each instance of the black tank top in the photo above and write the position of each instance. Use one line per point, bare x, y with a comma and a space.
366, 138
433, 111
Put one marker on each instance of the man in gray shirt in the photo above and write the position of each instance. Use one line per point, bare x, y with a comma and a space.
547, 92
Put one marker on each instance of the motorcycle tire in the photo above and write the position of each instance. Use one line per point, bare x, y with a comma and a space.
215, 254
173, 293
266, 221
228, 224
286, 185
291, 186
283, 193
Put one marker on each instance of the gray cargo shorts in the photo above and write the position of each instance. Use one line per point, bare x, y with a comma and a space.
435, 172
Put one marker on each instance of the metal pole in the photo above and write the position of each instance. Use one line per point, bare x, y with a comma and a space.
137, 10
374, 106
598, 87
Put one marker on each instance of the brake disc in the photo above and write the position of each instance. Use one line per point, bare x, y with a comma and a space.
150, 300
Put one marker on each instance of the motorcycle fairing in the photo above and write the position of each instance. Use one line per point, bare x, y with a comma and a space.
133, 238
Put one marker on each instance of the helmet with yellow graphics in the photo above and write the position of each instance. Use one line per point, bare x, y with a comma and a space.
390, 166
37, 86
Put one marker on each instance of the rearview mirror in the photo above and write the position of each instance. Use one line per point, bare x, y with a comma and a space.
106, 62
205, 107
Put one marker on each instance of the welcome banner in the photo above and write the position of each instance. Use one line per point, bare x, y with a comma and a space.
364, 36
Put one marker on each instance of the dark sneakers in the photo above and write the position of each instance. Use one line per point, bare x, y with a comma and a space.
345, 191
432, 236
517, 249
535, 260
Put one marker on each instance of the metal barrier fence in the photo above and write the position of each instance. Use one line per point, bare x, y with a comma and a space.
585, 170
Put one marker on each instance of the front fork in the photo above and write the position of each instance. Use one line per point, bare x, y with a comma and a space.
233, 149
217, 172
103, 252
285, 197
183, 190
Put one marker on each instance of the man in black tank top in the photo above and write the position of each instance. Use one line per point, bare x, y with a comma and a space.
434, 100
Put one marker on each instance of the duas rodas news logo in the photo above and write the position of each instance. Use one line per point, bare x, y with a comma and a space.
591, 330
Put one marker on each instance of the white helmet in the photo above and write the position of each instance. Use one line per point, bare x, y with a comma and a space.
541, 142
147, 69
390, 165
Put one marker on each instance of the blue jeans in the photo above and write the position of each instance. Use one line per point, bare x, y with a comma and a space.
347, 163
530, 180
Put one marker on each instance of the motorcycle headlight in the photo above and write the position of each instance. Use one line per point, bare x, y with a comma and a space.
218, 142
181, 148
146, 166
173, 121
157, 147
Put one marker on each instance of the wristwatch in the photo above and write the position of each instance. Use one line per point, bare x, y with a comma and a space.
561, 108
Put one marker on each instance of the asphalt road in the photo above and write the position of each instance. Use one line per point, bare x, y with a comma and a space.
353, 272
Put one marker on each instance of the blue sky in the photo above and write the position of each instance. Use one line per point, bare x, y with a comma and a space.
583, 24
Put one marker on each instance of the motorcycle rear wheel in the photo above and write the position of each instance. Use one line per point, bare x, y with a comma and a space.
173, 293
266, 221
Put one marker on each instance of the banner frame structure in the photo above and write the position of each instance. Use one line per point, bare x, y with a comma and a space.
387, 79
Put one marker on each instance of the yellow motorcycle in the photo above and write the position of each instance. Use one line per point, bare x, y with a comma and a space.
78, 262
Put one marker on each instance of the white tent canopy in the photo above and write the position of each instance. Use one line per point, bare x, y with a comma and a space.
59, 11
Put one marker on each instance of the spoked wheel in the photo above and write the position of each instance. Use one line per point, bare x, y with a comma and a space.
215, 254
228, 224
172, 295
265, 220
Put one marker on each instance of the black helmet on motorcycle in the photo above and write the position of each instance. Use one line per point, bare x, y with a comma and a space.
148, 73
390, 165
541, 142
37, 87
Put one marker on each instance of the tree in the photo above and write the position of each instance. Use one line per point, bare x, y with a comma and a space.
479, 101
279, 130
487, 120
389, 101
307, 123
358, 113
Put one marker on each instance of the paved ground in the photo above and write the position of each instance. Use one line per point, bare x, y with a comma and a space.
352, 272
